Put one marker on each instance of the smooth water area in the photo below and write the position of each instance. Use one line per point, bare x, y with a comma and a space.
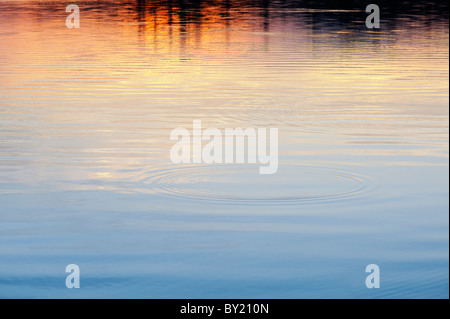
85, 170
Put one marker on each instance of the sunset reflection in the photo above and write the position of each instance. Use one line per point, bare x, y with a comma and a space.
85, 121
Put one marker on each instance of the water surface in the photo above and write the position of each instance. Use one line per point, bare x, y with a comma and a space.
85, 170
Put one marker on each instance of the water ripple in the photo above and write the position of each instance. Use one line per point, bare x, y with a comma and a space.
293, 183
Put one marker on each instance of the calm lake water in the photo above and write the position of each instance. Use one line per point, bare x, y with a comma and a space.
86, 175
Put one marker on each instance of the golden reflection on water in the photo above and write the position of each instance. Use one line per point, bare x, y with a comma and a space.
107, 95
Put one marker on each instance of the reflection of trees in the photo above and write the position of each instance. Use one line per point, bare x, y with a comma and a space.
191, 11
190, 16
323, 16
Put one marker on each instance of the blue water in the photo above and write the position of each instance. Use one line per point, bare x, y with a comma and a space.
85, 170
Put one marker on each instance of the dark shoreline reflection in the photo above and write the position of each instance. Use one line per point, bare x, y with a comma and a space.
191, 18
193, 11
344, 18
